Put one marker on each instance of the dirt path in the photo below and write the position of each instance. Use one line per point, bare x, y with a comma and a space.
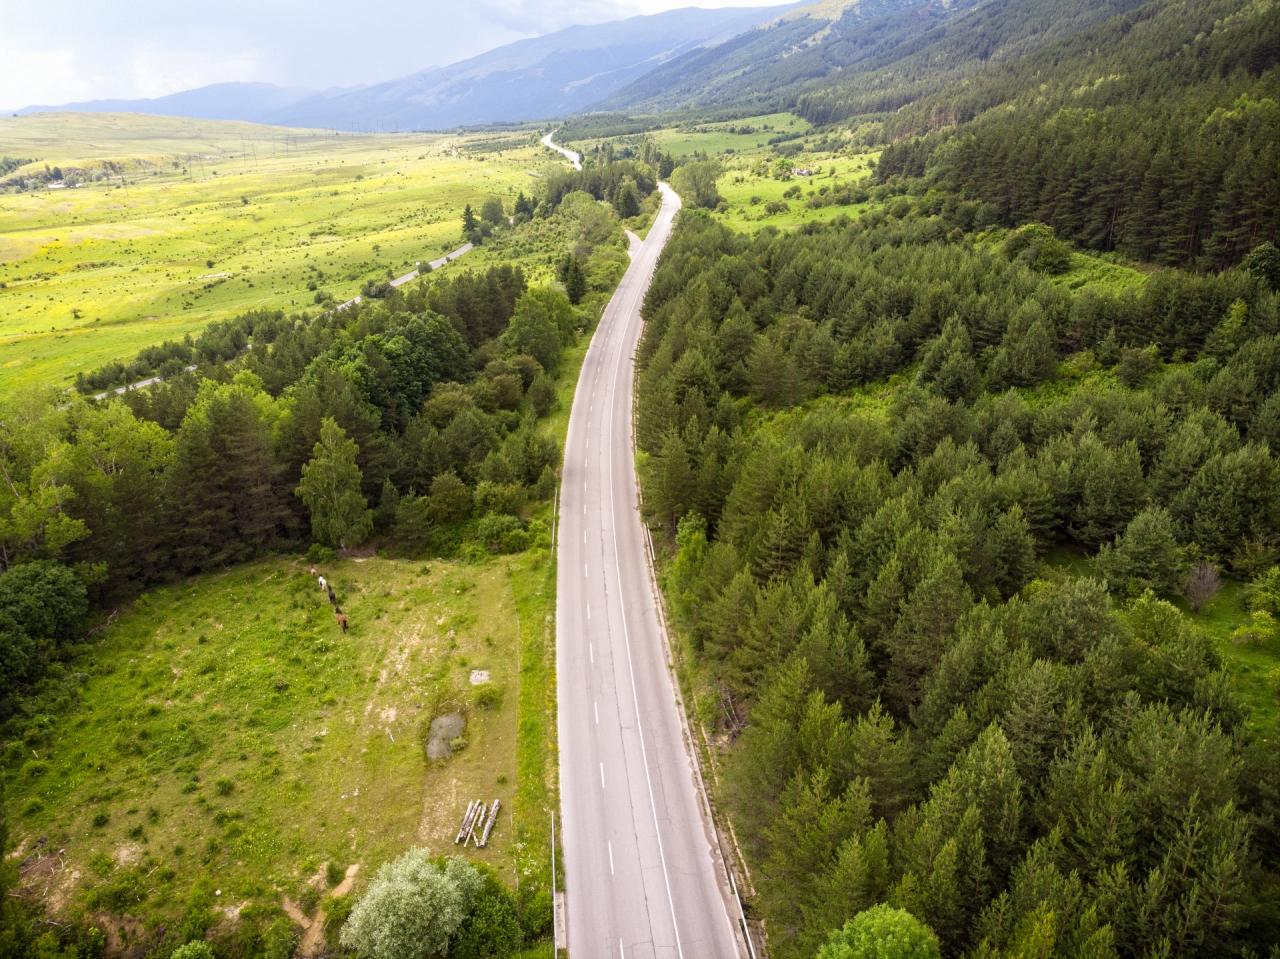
313, 928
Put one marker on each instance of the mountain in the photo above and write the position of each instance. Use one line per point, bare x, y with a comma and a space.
759, 66
254, 102
839, 58
559, 73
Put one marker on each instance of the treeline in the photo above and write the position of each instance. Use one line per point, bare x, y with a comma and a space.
432, 394
601, 182
1031, 762
1156, 134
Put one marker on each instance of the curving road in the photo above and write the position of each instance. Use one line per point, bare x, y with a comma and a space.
642, 874
574, 158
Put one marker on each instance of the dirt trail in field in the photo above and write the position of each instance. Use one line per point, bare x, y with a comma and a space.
313, 927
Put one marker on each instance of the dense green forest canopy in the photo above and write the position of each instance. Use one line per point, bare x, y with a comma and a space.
864, 438
1156, 133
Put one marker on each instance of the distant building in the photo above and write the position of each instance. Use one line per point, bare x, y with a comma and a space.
801, 171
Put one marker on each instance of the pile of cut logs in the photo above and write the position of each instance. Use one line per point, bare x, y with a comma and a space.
476, 825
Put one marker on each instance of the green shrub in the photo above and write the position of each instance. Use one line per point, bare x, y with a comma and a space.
319, 553
334, 872
487, 696
412, 908
495, 532
882, 932
493, 928
193, 950
280, 939
101, 864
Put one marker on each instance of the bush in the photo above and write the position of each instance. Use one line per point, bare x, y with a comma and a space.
1263, 594
882, 932
1260, 630
334, 872
412, 908
193, 950
493, 928
502, 534
319, 553
280, 939
337, 909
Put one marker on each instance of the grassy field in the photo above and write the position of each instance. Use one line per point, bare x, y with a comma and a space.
203, 220
226, 747
719, 138
227, 729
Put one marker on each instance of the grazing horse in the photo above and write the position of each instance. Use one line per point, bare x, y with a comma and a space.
324, 584
342, 619
332, 598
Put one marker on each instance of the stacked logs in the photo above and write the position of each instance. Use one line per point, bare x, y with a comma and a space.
478, 823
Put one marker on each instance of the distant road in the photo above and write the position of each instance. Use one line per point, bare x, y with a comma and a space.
642, 873
435, 265
574, 158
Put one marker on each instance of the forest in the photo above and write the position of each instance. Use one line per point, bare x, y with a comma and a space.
1154, 134
420, 403
869, 444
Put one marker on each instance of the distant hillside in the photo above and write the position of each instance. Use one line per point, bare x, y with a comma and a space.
554, 75
840, 58
968, 41
1156, 133
763, 67
255, 102
545, 76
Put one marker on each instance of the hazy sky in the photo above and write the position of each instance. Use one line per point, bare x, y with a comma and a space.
88, 50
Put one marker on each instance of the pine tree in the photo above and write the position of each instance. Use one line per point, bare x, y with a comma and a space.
331, 489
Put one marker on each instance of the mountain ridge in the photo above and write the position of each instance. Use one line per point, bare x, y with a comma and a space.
534, 78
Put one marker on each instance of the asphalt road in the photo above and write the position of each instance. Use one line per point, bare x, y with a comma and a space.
642, 876
569, 155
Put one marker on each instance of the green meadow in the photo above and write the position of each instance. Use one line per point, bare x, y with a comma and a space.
199, 220
226, 731
719, 138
